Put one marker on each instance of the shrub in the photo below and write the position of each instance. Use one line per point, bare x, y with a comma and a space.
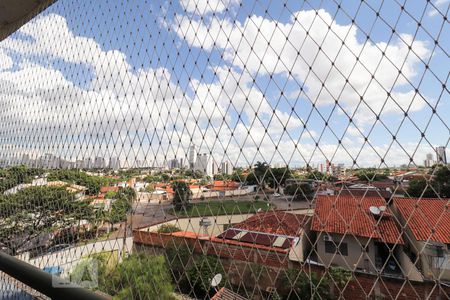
168, 228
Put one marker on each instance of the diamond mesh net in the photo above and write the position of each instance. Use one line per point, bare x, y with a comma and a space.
229, 149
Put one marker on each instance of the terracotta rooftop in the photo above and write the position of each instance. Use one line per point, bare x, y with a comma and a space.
362, 192
273, 230
226, 294
347, 214
105, 189
226, 183
278, 222
428, 219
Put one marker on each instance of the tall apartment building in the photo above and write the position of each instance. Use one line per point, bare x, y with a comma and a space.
114, 163
87, 163
174, 164
429, 160
192, 156
226, 168
99, 162
441, 157
206, 164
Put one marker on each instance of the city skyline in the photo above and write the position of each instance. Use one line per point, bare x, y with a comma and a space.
225, 149
208, 164
214, 107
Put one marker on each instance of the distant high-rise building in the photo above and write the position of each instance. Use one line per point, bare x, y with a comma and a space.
25, 160
173, 164
49, 161
79, 164
114, 163
226, 168
87, 163
214, 168
441, 156
99, 162
201, 162
139, 163
429, 160
192, 156
206, 164
181, 163
66, 164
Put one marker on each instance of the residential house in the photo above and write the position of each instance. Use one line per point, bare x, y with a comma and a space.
356, 233
283, 234
274, 230
427, 230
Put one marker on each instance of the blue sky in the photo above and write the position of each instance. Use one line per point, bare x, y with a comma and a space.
140, 90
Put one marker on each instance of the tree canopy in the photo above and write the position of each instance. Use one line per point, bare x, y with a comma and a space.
301, 191
92, 183
34, 211
181, 195
122, 205
10, 177
139, 276
437, 186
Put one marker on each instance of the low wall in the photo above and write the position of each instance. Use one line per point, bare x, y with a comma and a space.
362, 286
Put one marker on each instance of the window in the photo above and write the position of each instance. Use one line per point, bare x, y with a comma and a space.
441, 262
343, 249
330, 247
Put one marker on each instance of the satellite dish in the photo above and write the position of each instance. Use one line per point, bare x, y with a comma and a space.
216, 280
374, 210
382, 208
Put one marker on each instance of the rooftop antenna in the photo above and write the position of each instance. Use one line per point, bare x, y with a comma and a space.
216, 281
375, 211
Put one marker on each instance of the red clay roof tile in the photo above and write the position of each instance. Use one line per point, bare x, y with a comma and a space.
351, 215
278, 222
428, 218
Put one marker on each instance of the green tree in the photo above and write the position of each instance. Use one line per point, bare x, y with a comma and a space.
182, 195
238, 176
139, 276
276, 177
35, 211
371, 174
92, 183
168, 228
259, 172
339, 278
178, 257
301, 191
420, 188
219, 177
110, 195
442, 181
316, 175
152, 179
119, 210
11, 177
126, 193
200, 274
305, 286
165, 177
